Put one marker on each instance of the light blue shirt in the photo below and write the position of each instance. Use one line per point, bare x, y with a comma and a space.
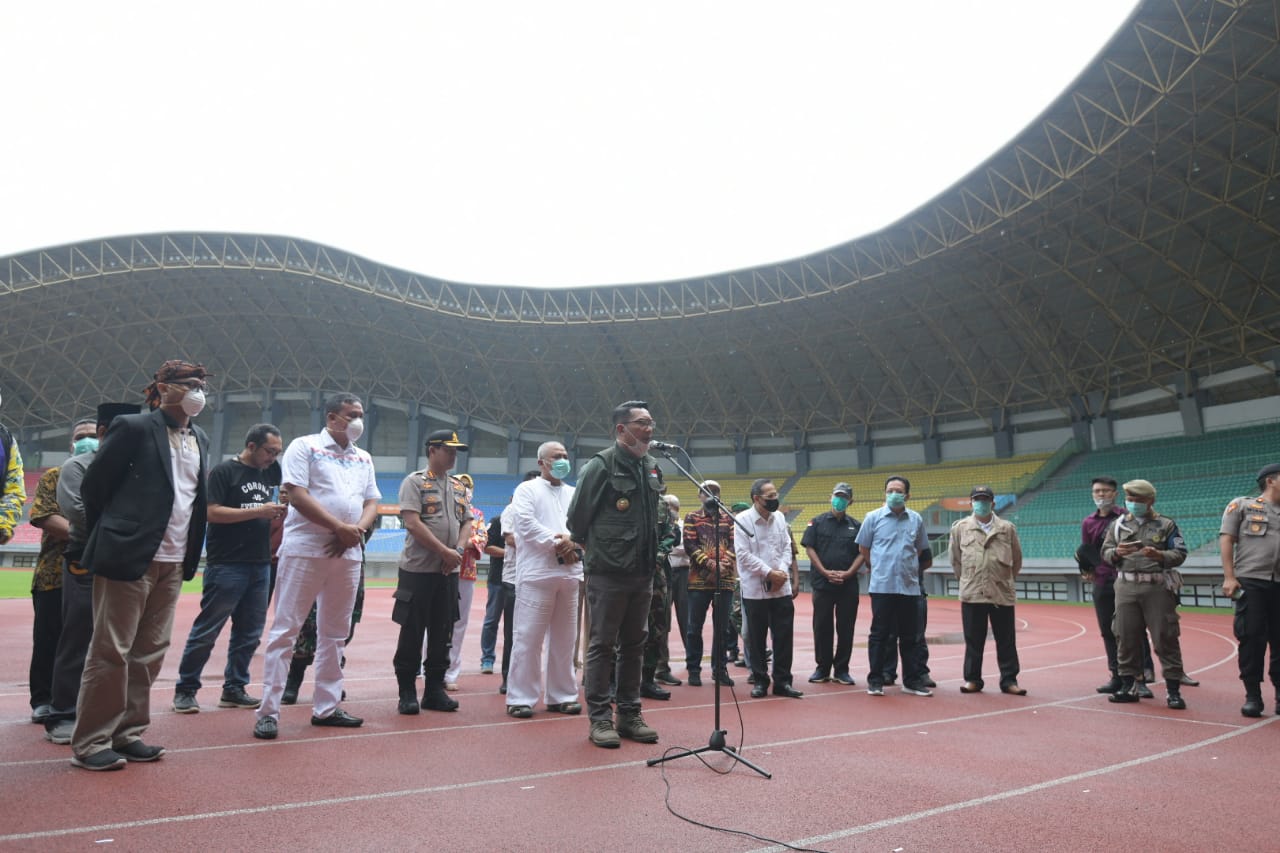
896, 541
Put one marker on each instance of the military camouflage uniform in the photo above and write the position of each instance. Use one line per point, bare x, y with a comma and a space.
660, 603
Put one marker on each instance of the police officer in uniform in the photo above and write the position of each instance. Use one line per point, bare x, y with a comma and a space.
1146, 548
1250, 543
437, 519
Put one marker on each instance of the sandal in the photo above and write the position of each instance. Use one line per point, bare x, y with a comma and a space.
522, 711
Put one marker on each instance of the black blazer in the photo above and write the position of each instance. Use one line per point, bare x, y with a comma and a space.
128, 497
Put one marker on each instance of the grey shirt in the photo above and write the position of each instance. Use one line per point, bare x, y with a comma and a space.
71, 504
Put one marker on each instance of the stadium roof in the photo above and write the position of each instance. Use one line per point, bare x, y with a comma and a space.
1125, 242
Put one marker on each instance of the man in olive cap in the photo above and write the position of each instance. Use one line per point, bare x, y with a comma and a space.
1146, 549
1249, 540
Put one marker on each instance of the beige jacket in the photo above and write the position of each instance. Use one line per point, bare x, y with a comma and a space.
986, 563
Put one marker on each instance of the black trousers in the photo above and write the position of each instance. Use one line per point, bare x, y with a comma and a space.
679, 586
73, 644
424, 604
1104, 606
1257, 624
894, 630
508, 625
974, 618
699, 602
835, 612
45, 628
775, 617
921, 646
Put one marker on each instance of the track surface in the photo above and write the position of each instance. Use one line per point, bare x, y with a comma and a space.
1058, 769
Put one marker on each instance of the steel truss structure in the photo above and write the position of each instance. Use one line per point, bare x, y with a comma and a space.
1125, 242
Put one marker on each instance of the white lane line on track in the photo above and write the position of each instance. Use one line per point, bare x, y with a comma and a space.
978, 802
479, 783
1113, 710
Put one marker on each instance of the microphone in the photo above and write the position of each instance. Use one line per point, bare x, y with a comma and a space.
662, 445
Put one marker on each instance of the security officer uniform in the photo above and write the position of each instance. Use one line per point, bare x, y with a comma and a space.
426, 596
659, 608
1146, 595
1254, 527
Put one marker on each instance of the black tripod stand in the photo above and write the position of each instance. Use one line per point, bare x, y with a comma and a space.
718, 617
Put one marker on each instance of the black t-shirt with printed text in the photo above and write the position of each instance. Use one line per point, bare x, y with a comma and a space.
235, 485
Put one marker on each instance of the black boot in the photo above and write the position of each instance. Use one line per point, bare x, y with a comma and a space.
1126, 692
649, 688
436, 698
1142, 690
408, 694
1253, 699
1174, 700
1111, 686
297, 671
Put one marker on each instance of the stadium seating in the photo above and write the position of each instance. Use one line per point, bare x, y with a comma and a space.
1195, 478
810, 495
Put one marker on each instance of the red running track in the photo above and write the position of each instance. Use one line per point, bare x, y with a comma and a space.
1058, 769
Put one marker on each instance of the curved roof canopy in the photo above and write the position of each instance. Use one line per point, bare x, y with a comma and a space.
1125, 242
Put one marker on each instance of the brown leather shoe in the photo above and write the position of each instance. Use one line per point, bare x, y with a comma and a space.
1013, 689
971, 687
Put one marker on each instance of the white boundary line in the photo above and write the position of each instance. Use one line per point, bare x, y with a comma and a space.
1018, 792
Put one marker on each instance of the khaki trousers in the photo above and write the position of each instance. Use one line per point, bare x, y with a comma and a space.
1142, 607
132, 623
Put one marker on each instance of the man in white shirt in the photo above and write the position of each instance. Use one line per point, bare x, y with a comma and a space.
333, 502
765, 568
547, 595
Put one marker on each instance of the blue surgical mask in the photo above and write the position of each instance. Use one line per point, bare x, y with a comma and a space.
88, 444
982, 508
839, 504
895, 500
561, 468
1137, 508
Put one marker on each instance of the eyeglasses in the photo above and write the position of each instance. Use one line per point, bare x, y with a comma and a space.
645, 423
190, 384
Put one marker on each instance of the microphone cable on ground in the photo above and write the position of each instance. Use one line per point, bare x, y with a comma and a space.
666, 799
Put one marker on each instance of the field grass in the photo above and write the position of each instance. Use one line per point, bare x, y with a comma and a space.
16, 583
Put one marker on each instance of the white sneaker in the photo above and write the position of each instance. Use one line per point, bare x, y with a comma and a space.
917, 690
451, 685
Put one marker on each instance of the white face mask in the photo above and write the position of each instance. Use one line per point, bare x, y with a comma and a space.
1104, 503
193, 402
355, 429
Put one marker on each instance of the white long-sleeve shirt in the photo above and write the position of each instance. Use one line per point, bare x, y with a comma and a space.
769, 551
540, 511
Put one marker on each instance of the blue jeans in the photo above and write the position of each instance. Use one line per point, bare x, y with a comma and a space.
493, 606
235, 591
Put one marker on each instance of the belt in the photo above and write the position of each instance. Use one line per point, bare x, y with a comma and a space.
1142, 577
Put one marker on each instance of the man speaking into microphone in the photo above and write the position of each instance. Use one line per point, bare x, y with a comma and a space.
614, 518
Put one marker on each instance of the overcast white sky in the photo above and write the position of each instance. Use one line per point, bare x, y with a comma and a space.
542, 144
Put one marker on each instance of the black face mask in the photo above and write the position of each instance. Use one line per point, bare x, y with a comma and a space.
771, 505
709, 504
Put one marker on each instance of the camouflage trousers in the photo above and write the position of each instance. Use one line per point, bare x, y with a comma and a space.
659, 621
304, 647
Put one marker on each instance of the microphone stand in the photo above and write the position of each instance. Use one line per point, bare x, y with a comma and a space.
717, 742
